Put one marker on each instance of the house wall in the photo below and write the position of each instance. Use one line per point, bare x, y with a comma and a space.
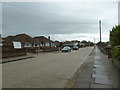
47, 44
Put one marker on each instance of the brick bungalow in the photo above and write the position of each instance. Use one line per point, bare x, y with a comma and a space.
8, 49
26, 41
41, 41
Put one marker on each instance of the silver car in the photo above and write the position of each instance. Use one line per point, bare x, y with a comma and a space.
66, 49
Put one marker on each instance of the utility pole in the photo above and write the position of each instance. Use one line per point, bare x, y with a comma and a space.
100, 33
94, 40
100, 30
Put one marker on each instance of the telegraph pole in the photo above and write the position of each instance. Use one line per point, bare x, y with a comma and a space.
94, 40
100, 30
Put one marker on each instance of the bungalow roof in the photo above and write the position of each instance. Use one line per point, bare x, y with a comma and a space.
39, 39
23, 38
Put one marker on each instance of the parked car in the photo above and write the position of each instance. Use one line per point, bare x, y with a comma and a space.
75, 48
66, 49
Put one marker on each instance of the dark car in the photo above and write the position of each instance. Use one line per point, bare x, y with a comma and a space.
66, 49
75, 48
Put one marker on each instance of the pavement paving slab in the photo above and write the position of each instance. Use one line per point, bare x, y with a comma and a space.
100, 86
85, 75
82, 85
101, 73
85, 80
100, 76
103, 70
87, 71
103, 81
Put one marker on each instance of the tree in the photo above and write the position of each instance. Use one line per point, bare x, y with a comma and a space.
84, 41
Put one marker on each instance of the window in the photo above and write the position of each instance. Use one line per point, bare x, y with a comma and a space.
27, 45
36, 45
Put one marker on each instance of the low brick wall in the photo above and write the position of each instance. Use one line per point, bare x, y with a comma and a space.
13, 53
30, 50
51, 49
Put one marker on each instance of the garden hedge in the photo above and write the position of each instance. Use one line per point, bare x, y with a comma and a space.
115, 41
116, 52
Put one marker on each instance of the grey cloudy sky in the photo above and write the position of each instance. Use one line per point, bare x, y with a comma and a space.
61, 20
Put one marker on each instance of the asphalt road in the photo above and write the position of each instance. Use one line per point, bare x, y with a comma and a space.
46, 70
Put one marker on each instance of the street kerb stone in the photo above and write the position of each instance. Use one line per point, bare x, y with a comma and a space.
99, 86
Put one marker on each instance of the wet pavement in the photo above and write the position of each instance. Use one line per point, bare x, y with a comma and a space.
98, 72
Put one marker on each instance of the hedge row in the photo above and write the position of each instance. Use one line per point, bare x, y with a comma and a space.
116, 52
115, 42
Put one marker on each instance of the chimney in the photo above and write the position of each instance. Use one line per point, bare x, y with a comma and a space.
49, 37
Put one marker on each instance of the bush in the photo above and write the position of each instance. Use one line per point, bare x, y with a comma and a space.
115, 36
116, 52
115, 42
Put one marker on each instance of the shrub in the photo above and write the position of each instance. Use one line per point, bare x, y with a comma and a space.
116, 52
115, 36
115, 42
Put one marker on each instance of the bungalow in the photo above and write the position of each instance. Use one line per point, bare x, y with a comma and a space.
25, 40
41, 41
11, 43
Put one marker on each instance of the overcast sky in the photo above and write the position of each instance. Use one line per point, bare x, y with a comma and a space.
61, 20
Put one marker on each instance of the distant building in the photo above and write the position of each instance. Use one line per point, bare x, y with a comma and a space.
57, 43
1, 42
75, 42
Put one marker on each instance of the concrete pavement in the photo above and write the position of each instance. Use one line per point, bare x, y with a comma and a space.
97, 72
45, 70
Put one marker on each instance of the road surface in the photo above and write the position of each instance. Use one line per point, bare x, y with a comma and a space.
46, 70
